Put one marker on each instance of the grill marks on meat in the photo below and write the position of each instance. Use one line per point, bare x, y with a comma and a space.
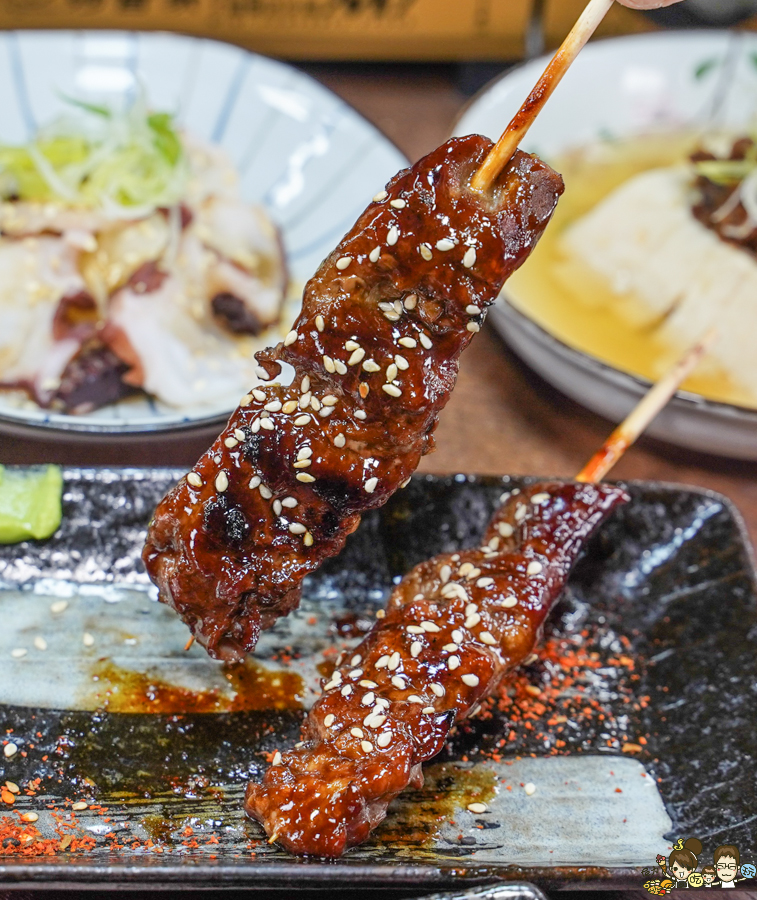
452, 628
375, 356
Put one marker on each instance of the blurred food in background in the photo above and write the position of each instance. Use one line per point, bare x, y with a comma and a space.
129, 263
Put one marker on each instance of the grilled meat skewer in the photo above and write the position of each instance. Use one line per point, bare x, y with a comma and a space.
370, 362
452, 629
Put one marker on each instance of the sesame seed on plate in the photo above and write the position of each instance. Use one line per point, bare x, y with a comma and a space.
408, 342
370, 485
79, 805
319, 323
384, 739
473, 327
194, 479
426, 251
534, 568
19, 652
477, 807
59, 606
343, 262
415, 649
40, 643
392, 236
10, 749
366, 746
470, 679
222, 482
290, 338
469, 260
530, 788
453, 663
304, 478
382, 195
398, 204
329, 720
391, 389
374, 255
445, 244
87, 639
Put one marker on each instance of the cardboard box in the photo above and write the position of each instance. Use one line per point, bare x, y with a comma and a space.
330, 29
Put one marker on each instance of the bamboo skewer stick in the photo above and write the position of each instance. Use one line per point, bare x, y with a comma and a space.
646, 410
499, 156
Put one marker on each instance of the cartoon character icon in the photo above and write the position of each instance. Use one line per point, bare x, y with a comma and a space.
682, 861
726, 859
659, 886
708, 875
696, 880
748, 870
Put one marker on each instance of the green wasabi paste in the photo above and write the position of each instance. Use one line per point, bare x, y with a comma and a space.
30, 502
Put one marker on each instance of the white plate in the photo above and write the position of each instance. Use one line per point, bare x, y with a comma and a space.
619, 88
302, 152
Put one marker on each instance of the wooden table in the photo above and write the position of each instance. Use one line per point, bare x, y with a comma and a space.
502, 418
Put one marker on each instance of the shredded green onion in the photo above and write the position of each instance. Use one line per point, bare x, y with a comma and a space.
125, 163
725, 171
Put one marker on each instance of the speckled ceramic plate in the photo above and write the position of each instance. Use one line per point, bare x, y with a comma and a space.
643, 729
619, 88
308, 157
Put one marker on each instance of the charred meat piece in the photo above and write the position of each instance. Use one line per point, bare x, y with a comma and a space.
452, 629
370, 362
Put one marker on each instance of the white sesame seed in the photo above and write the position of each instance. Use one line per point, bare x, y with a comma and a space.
470, 679
259, 395
356, 357
530, 788
297, 528
277, 507
381, 662
302, 420
391, 372
255, 427
538, 499
377, 721
357, 732
194, 479
304, 478
426, 251
319, 323
246, 400
40, 643
10, 749
408, 342
304, 453
340, 440
329, 720
289, 502
391, 389
368, 699
398, 682
415, 649
477, 807
384, 739
414, 629
473, 310
485, 582
411, 301
473, 327
469, 260
261, 373
239, 434
371, 365
332, 684
267, 424
59, 606
465, 568
290, 338
444, 574
470, 609
356, 660
371, 485
255, 481
305, 384
341, 369
414, 698
445, 244
453, 662
487, 638
520, 512
328, 364
534, 568
79, 805
382, 195
472, 620
265, 492
398, 204
457, 636
361, 414
431, 627
351, 344
394, 661
273, 406
451, 648
366, 746
315, 404
346, 690
87, 639
343, 262
276, 761
505, 529
426, 340
392, 236
374, 255
401, 363
19, 652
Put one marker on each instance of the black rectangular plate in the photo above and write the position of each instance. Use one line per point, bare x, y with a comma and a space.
671, 575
